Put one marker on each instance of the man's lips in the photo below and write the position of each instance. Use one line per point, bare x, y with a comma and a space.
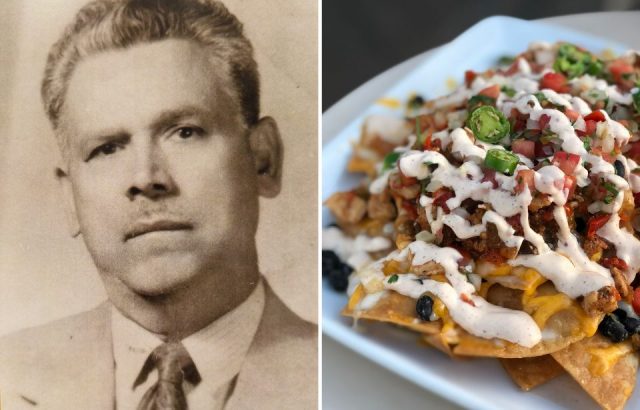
141, 228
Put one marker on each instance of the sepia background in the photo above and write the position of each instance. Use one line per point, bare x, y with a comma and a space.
44, 273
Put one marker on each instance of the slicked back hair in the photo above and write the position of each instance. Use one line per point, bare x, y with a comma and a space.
104, 25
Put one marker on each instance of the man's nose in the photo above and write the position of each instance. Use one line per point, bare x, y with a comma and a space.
151, 175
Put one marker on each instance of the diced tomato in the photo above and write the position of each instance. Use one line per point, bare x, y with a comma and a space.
408, 181
614, 262
410, 208
634, 151
514, 67
596, 116
571, 114
566, 162
543, 150
568, 210
543, 121
556, 82
618, 68
607, 156
547, 214
491, 91
570, 185
426, 146
490, 176
596, 222
636, 199
636, 301
466, 299
525, 177
441, 196
469, 76
466, 256
524, 147
514, 221
590, 128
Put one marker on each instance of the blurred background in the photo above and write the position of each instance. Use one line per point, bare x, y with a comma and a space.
362, 38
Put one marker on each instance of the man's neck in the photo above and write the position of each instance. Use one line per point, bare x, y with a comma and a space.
185, 311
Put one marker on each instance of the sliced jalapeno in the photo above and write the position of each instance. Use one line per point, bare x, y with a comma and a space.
501, 161
488, 124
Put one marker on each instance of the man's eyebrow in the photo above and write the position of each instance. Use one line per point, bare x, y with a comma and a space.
169, 117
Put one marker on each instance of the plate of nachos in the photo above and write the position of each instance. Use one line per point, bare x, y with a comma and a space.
481, 232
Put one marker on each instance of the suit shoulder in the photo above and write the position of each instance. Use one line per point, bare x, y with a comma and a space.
281, 325
281, 368
31, 344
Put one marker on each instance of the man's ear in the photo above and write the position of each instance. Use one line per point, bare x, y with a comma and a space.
69, 204
266, 147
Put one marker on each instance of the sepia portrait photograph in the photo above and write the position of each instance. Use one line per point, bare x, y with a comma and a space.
158, 204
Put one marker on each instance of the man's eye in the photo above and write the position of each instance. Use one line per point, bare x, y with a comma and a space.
188, 132
105, 149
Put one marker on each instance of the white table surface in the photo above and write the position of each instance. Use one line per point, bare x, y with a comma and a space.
348, 380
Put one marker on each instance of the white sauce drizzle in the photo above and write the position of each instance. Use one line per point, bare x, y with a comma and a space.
354, 252
484, 319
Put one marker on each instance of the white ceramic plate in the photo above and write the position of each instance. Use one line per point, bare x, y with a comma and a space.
481, 383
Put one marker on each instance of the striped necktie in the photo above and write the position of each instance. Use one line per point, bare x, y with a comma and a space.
174, 365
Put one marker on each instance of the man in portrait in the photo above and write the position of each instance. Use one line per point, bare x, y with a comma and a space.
155, 108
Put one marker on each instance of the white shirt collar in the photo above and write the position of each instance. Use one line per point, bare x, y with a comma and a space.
218, 351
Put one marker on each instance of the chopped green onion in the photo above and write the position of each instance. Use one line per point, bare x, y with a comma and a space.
424, 183
478, 101
392, 279
488, 124
574, 63
548, 137
390, 161
501, 161
613, 192
419, 137
587, 143
508, 90
636, 100
506, 60
609, 198
540, 97
610, 187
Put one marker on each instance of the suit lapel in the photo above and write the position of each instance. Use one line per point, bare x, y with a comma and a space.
275, 373
87, 381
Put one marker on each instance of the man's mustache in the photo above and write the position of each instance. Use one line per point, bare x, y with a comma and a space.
152, 217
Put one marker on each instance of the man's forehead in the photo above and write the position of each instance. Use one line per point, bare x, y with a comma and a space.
140, 81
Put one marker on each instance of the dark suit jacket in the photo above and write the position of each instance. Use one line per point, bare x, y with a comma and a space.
68, 364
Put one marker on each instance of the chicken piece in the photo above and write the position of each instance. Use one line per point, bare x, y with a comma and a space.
602, 300
427, 269
380, 207
620, 280
347, 207
594, 246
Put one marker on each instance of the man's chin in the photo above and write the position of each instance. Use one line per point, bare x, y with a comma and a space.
157, 280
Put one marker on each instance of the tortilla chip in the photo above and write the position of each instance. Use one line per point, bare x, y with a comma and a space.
614, 386
531, 372
398, 309
561, 329
438, 342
